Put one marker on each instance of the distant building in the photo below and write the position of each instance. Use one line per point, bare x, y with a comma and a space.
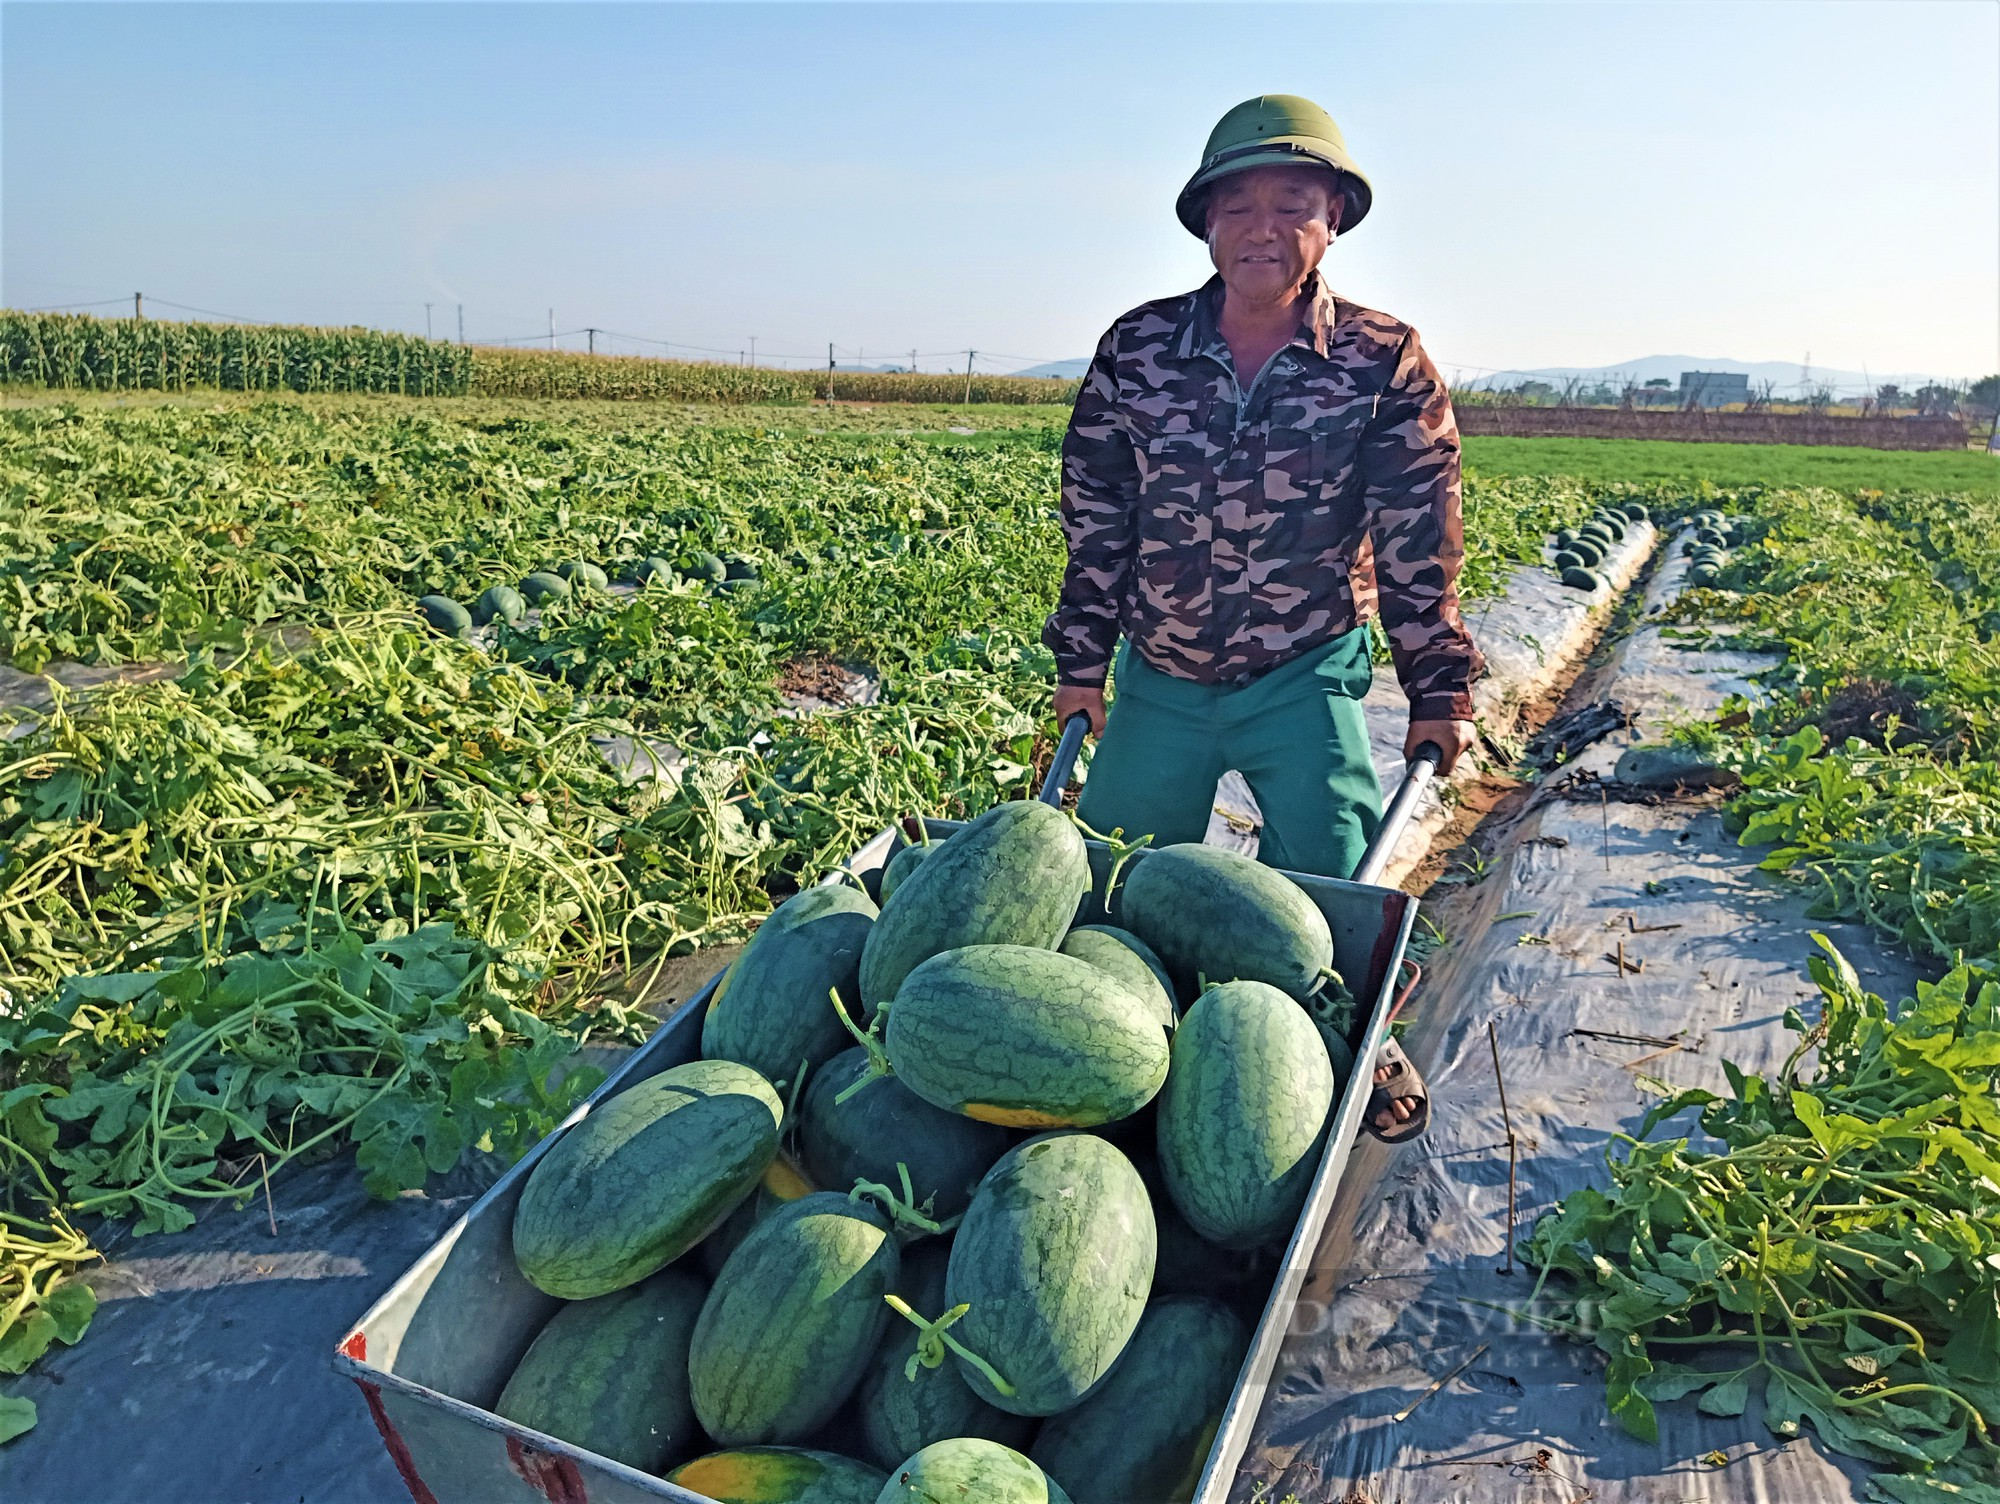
1713, 388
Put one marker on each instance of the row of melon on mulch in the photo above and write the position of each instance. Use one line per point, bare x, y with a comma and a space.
966, 1190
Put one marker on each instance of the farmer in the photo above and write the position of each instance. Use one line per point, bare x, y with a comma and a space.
1251, 471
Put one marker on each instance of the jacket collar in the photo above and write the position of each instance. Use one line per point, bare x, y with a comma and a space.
1200, 331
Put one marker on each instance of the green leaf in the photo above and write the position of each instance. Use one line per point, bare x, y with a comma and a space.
17, 1417
26, 1340
1628, 1367
1728, 1397
70, 1306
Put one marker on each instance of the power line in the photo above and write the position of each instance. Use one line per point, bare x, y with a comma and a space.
65, 307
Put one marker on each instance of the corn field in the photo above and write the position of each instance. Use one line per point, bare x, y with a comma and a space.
75, 352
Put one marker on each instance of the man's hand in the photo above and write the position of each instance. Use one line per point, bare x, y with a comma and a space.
1087, 699
1454, 738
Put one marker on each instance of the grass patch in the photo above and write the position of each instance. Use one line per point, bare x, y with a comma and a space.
1656, 461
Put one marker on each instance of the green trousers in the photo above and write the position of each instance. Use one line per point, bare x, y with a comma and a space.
1296, 735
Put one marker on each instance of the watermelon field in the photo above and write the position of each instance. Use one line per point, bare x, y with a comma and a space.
292, 870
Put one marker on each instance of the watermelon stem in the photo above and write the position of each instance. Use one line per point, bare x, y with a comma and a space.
792, 1103
1121, 853
903, 1210
934, 1339
870, 1040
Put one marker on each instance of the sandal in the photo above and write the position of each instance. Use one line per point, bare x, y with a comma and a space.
1403, 1082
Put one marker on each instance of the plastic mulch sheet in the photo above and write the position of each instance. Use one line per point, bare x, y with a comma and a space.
1407, 1288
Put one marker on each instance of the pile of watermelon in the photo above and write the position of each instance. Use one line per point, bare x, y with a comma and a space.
972, 1196
505, 603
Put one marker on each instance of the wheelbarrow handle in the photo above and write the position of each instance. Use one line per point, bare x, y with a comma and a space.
1064, 762
1402, 808
1395, 820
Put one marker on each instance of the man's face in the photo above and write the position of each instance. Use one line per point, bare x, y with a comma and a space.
1270, 226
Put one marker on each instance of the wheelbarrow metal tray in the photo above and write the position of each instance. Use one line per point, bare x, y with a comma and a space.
432, 1355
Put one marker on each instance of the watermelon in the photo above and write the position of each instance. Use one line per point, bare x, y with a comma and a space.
739, 567
902, 864
1054, 1260
445, 615
1579, 579
1014, 876
707, 567
653, 568
541, 587
1143, 1435
1186, 1262
792, 1321
772, 1011
884, 1124
583, 575
967, 1470
499, 602
896, 1415
780, 1475
610, 1374
1025, 1038
1217, 916
783, 1180
1125, 956
644, 1176
1567, 560
1244, 1113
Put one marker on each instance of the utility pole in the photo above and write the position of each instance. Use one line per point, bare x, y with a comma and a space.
138, 311
552, 329
753, 352
427, 321
461, 323
968, 375
593, 340
913, 362
829, 373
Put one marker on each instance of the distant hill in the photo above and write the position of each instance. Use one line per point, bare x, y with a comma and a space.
1067, 370
1787, 378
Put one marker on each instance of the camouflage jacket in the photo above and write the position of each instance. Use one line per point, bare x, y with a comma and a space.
1224, 538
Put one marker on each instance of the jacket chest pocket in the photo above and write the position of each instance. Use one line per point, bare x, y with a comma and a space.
1313, 465
1309, 479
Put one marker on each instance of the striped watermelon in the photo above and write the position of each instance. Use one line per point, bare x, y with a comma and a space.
772, 1010
1024, 1037
1055, 1259
966, 1470
1012, 877
792, 1321
1244, 1112
644, 1177
1217, 916
1143, 1435
1128, 958
610, 1374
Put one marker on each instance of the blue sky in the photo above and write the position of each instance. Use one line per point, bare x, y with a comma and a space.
1556, 184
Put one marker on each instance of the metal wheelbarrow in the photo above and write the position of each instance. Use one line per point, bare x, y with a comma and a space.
432, 1355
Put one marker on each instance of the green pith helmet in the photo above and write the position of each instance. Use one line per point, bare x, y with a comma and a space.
1273, 130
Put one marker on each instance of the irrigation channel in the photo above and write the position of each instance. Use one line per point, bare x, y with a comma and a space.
1585, 937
